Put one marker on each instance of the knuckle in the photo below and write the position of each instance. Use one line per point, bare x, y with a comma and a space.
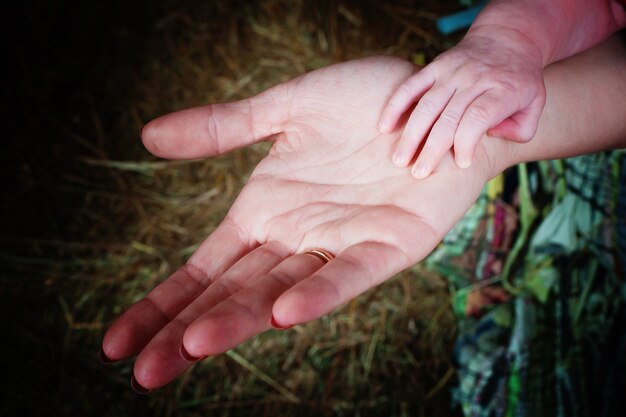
213, 130
283, 278
450, 119
229, 286
478, 113
405, 89
426, 107
506, 85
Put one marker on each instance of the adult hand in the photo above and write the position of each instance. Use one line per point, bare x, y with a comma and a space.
492, 81
326, 183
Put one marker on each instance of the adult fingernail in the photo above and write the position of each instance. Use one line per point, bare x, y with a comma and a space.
137, 387
186, 355
279, 326
104, 358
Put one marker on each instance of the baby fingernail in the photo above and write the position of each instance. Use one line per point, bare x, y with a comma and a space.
383, 127
186, 355
275, 324
463, 163
137, 387
495, 135
419, 172
398, 159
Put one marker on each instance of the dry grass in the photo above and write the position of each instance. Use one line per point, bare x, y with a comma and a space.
129, 220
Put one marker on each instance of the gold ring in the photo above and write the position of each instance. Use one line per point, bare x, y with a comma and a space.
322, 254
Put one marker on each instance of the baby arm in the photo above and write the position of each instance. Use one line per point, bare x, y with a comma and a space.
492, 81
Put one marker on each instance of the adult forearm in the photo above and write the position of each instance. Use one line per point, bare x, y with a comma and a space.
559, 28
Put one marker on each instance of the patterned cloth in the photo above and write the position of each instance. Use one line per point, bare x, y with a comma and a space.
536, 273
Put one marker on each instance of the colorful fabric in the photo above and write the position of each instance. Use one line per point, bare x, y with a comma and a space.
536, 273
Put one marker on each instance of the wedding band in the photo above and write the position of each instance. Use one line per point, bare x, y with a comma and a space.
322, 254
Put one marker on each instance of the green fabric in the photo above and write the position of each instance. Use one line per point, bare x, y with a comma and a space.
542, 305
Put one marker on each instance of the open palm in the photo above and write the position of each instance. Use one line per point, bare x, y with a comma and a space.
327, 183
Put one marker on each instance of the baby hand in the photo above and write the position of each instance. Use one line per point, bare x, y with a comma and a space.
491, 82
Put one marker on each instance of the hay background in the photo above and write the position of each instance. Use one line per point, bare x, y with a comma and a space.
90, 221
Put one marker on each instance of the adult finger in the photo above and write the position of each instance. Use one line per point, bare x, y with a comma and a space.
160, 361
441, 137
407, 93
522, 126
488, 110
134, 328
217, 128
248, 312
421, 121
355, 270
